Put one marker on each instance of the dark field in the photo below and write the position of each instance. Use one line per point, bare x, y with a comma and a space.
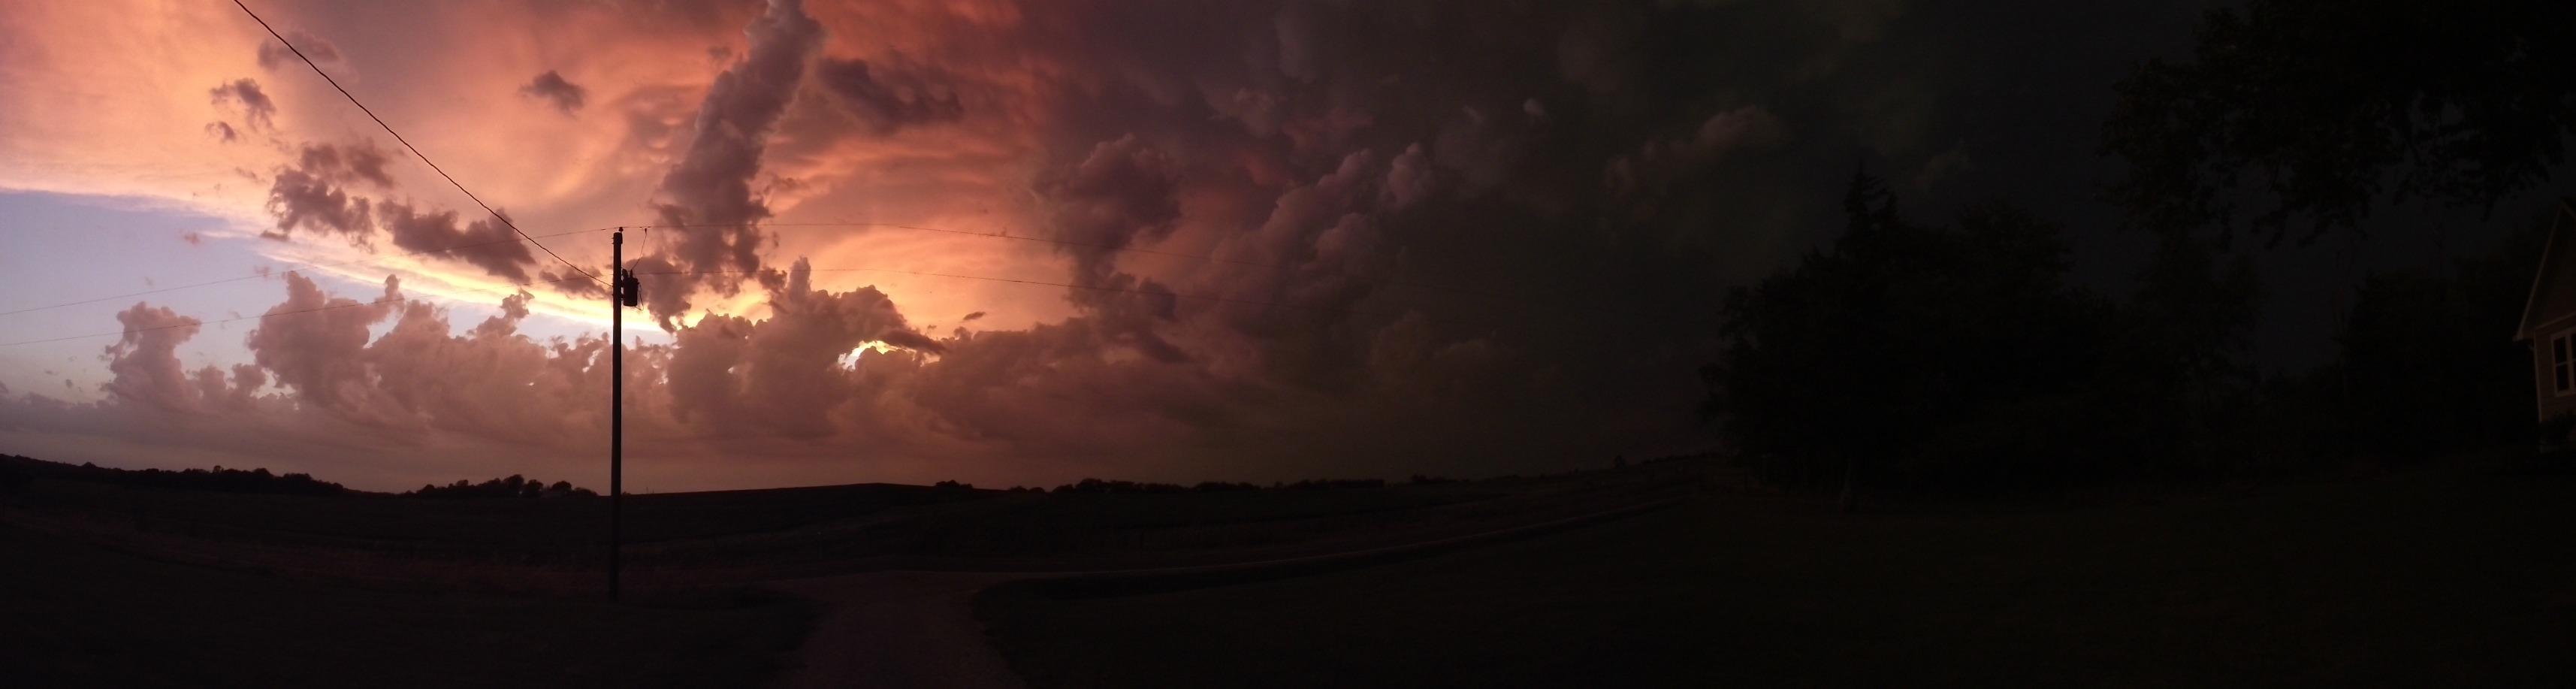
117, 585
2439, 577
80, 615
694, 540
2448, 575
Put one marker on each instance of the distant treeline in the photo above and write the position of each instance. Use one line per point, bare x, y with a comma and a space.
1957, 357
512, 486
1099, 485
17, 471
1095, 485
218, 479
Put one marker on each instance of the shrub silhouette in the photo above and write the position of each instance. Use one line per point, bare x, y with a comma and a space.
218, 479
511, 487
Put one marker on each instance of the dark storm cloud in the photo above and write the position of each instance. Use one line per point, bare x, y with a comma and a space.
257, 110
319, 192
885, 100
358, 162
489, 245
313, 194
1120, 194
711, 185
301, 199
1610, 168
272, 54
1452, 237
554, 89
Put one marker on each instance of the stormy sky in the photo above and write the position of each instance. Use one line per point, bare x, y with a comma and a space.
997, 241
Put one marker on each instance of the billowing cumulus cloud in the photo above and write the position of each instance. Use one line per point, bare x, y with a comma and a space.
552, 88
1297, 239
708, 194
145, 361
316, 345
784, 376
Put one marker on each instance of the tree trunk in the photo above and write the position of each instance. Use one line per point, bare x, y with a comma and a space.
1851, 480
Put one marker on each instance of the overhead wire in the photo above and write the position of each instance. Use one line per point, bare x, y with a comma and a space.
1096, 245
406, 143
1045, 283
985, 278
209, 283
331, 307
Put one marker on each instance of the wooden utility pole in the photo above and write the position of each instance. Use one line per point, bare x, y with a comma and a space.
621, 294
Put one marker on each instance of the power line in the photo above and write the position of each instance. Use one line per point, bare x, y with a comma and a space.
398, 137
1042, 283
333, 307
318, 266
1101, 246
986, 278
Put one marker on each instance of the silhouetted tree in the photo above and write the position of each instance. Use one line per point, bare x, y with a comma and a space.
2427, 359
2317, 110
1912, 354
513, 486
2187, 330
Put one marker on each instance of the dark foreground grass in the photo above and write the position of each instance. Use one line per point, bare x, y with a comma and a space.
74, 615
2440, 577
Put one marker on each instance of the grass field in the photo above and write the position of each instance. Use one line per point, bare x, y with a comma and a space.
117, 585
734, 537
2437, 577
76, 615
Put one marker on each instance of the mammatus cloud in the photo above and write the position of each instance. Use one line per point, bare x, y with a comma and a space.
553, 88
886, 100
1119, 195
1644, 177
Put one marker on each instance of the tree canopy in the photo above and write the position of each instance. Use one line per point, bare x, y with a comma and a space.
2307, 114
1917, 354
